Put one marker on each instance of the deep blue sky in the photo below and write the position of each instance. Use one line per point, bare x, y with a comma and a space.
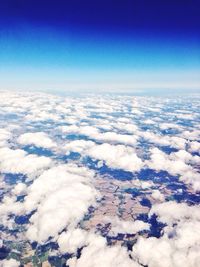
99, 44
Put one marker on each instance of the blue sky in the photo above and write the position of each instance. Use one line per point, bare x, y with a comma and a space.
59, 45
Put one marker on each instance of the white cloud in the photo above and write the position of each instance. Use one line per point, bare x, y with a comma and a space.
72, 240
61, 197
178, 163
166, 126
20, 189
85, 130
191, 178
9, 206
125, 227
38, 139
157, 195
125, 125
194, 146
171, 212
18, 161
161, 161
180, 244
9, 263
142, 184
4, 136
192, 135
116, 156
117, 138
185, 157
95, 134
97, 254
79, 146
172, 141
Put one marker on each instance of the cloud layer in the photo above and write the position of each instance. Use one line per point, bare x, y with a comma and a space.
110, 181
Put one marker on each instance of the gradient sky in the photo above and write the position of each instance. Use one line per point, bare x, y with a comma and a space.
99, 45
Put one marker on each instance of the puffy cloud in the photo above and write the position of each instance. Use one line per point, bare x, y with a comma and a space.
185, 157
9, 206
176, 164
95, 134
61, 197
72, 240
192, 135
177, 142
97, 253
156, 194
84, 130
20, 189
142, 184
125, 227
4, 136
180, 244
123, 124
117, 138
38, 139
149, 121
161, 161
117, 156
9, 263
79, 146
161, 140
194, 146
163, 252
154, 138
191, 178
171, 212
42, 115
166, 126
18, 161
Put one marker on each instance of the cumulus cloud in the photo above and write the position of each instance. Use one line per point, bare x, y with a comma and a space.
61, 197
191, 178
116, 156
161, 140
125, 227
84, 130
185, 157
194, 146
117, 138
38, 139
142, 184
4, 136
10, 206
9, 263
125, 125
20, 189
161, 161
178, 163
163, 252
72, 240
96, 253
180, 243
18, 161
171, 212
192, 135
156, 194
95, 134
79, 146
166, 126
